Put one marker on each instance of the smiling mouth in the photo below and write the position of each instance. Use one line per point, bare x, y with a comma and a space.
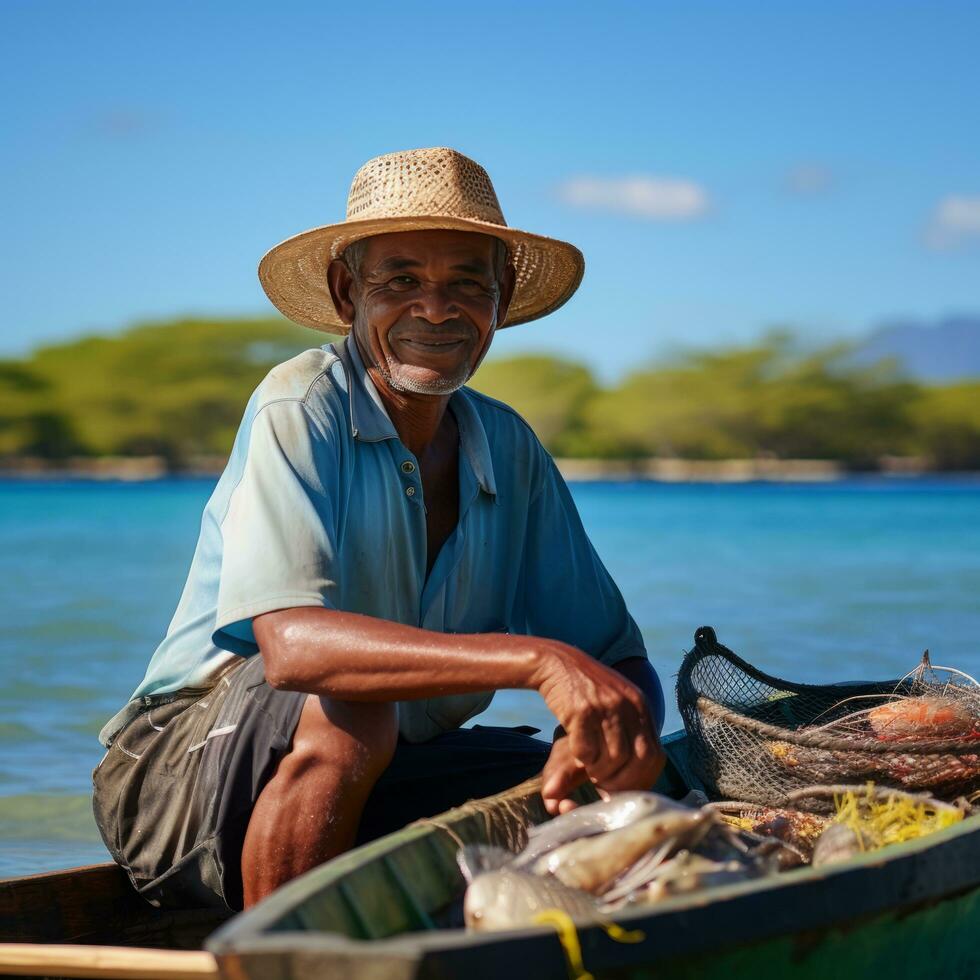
433, 343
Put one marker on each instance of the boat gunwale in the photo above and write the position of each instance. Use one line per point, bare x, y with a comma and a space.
678, 927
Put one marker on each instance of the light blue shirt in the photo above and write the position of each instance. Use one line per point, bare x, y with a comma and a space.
322, 505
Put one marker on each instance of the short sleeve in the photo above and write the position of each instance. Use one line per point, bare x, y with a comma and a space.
279, 534
568, 593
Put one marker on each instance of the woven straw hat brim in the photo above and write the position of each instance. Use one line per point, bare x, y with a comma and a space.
294, 272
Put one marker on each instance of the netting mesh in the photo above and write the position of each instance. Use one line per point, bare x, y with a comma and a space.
755, 737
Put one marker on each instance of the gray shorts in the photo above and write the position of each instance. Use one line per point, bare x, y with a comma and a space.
175, 791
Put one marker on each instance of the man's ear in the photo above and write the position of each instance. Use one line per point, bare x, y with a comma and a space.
341, 282
507, 281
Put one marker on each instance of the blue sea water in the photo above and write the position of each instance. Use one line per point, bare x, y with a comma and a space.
810, 582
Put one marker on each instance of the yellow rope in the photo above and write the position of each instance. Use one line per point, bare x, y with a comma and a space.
621, 935
568, 937
881, 820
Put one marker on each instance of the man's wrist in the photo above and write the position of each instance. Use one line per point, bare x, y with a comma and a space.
542, 656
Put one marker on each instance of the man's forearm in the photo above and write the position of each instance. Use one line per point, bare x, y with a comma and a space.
352, 657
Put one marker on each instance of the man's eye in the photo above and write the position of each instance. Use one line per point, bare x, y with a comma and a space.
402, 281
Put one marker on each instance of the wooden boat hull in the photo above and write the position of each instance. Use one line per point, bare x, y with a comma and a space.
94, 904
908, 911
90, 922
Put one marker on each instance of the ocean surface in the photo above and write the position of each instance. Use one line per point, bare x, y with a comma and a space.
810, 582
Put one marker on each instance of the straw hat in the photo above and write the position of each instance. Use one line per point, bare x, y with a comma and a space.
415, 190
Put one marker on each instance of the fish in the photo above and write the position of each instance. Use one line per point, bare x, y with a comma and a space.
475, 859
838, 843
619, 811
685, 872
633, 848
511, 899
594, 863
716, 846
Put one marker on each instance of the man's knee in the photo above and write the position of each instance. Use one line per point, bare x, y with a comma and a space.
355, 739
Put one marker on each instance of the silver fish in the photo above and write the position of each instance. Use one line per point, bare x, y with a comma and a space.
509, 899
477, 859
649, 866
685, 872
620, 810
593, 863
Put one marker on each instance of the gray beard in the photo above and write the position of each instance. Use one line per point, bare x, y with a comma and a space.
440, 386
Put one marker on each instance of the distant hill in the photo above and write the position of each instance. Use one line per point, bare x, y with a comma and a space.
939, 352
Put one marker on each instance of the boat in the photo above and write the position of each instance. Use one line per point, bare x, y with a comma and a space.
391, 909
91, 922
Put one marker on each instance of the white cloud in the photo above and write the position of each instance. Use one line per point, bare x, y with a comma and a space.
954, 222
642, 196
809, 178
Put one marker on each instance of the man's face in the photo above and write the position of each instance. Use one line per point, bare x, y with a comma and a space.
425, 306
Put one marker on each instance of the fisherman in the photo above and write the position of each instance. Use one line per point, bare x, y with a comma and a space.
384, 550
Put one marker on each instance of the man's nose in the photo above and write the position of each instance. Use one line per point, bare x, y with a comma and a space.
435, 304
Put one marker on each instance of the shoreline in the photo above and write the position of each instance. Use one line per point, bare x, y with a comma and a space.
140, 469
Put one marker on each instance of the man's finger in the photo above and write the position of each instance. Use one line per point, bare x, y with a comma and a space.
618, 738
612, 776
619, 742
559, 784
585, 743
637, 774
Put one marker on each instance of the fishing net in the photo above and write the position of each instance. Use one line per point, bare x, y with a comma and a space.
756, 738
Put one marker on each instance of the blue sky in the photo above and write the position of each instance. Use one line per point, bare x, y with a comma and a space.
724, 167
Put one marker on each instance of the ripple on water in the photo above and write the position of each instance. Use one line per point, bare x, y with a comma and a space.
15, 732
37, 816
809, 583
31, 857
27, 691
67, 628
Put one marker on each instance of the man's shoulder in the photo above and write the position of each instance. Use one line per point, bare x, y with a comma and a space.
500, 416
511, 439
300, 378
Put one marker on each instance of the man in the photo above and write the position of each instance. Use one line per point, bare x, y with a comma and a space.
394, 547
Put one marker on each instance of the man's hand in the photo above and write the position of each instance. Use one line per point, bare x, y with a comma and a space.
610, 738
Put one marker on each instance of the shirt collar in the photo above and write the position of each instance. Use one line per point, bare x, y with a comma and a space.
473, 440
370, 422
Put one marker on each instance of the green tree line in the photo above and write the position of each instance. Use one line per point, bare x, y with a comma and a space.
177, 390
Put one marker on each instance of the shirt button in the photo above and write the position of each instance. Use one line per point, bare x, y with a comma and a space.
409, 491
408, 466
